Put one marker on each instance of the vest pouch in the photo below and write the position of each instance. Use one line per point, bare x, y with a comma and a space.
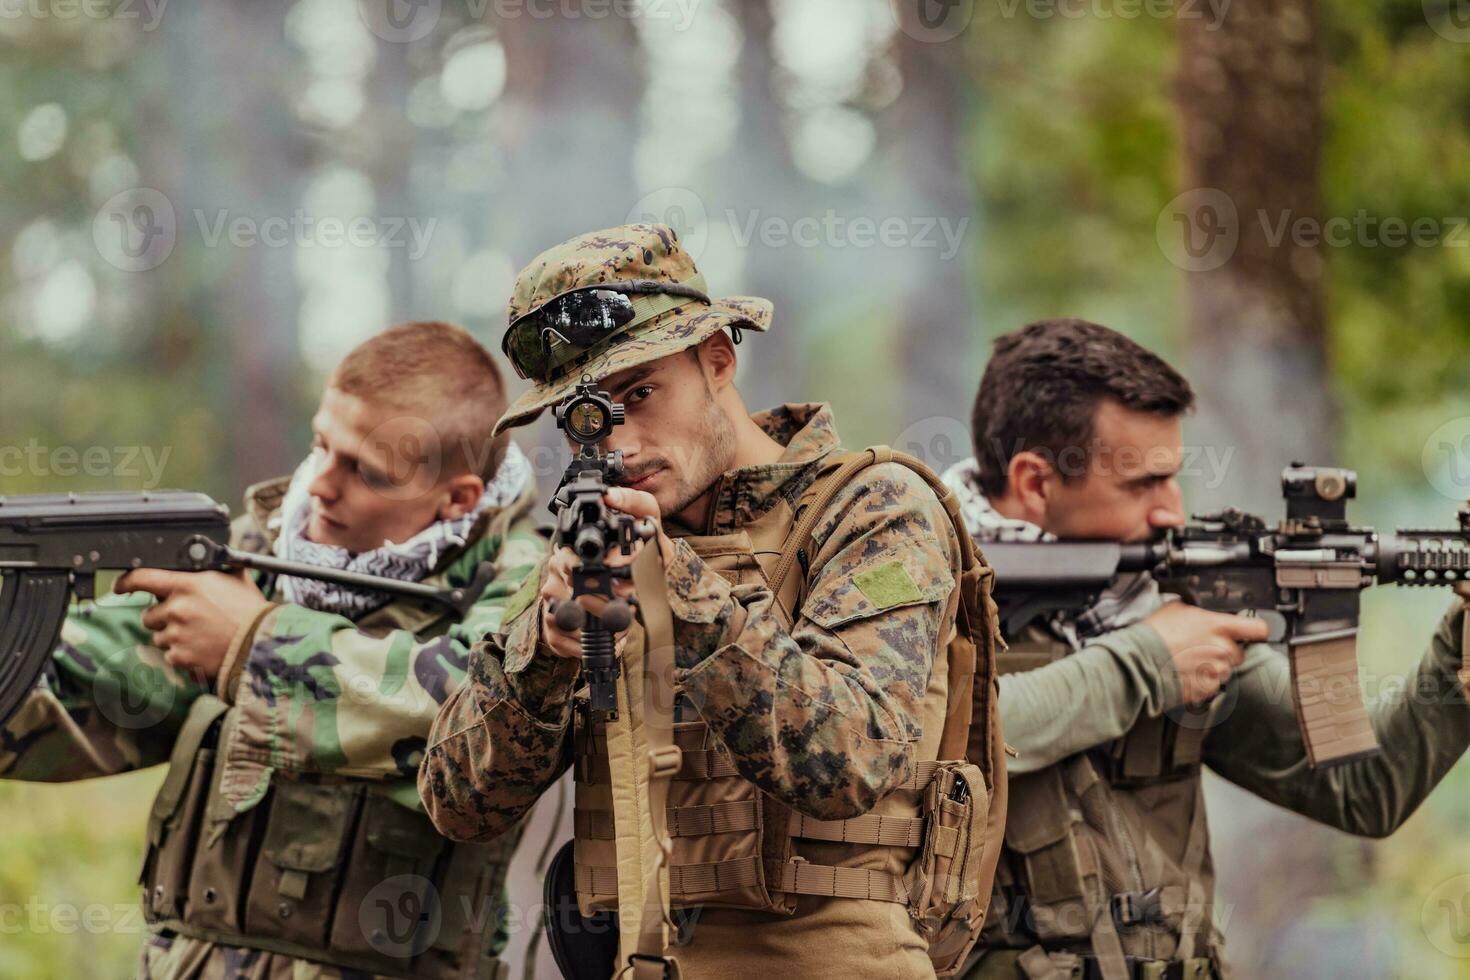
225, 853
944, 880
473, 904
716, 821
173, 830
291, 894
1050, 859
390, 905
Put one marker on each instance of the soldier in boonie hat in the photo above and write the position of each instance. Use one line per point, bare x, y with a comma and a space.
807, 659
608, 301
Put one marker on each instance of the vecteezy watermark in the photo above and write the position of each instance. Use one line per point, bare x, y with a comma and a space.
1450, 19
137, 229
35, 459
1201, 229
685, 212
833, 230
1198, 230
401, 916
35, 917
302, 230
134, 689
406, 21
1445, 917
1211, 11
1446, 459
932, 21
148, 13
1210, 464
1364, 230
679, 208
939, 442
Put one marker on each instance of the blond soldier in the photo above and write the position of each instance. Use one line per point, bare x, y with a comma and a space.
288, 839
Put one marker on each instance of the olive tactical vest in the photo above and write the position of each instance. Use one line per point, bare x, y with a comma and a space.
734, 846
335, 872
1106, 856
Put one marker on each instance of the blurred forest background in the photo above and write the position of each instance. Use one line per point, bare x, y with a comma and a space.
205, 205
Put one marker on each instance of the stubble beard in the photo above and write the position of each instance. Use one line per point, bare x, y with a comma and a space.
717, 434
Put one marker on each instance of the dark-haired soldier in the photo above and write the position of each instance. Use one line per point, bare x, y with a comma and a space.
1107, 871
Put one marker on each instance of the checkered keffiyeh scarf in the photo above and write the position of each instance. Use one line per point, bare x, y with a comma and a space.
1131, 598
411, 561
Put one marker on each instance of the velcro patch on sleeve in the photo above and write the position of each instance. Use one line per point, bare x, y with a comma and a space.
889, 584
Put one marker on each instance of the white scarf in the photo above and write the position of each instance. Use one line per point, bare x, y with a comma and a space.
1132, 597
411, 561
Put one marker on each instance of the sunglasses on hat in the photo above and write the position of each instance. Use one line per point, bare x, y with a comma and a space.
557, 332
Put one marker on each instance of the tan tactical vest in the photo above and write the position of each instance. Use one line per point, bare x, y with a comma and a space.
733, 846
332, 872
1106, 856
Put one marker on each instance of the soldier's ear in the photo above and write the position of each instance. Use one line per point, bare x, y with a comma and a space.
460, 496
1027, 479
717, 360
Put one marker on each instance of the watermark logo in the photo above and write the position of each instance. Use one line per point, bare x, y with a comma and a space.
400, 21
1450, 19
136, 229
1446, 459
1445, 917
1199, 230
932, 21
401, 916
404, 457
406, 21
679, 208
134, 690
938, 442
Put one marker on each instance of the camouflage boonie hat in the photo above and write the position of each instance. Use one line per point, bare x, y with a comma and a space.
642, 251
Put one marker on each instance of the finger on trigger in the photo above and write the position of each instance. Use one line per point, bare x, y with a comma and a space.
154, 581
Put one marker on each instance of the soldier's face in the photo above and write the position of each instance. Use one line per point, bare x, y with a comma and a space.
1130, 488
377, 474
676, 439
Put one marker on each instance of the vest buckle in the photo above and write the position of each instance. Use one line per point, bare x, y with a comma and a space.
664, 762
1137, 908
662, 964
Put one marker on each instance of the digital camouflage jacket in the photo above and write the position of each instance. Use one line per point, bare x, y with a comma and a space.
825, 717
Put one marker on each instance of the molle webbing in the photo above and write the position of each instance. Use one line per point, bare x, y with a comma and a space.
717, 840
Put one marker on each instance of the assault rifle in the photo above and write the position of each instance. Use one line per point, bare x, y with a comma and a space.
52, 546
590, 528
1304, 575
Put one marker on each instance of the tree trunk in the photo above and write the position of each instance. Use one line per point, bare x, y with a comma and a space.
1251, 117
237, 117
925, 132
1250, 93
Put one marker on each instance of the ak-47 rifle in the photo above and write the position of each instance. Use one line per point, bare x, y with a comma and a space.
590, 528
52, 546
1308, 571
